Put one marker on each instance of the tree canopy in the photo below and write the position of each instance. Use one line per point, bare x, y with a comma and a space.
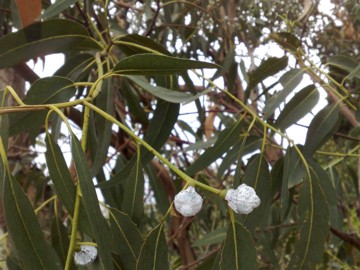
163, 141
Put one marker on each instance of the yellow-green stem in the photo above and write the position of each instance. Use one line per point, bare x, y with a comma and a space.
74, 223
180, 173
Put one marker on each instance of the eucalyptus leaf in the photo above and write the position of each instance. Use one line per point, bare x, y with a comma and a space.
97, 221
257, 176
57, 7
128, 239
24, 229
323, 125
267, 68
300, 105
154, 64
133, 201
226, 139
314, 220
48, 90
153, 254
42, 38
238, 251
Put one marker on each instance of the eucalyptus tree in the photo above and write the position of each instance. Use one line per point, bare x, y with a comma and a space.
177, 115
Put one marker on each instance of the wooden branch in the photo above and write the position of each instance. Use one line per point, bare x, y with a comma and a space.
351, 239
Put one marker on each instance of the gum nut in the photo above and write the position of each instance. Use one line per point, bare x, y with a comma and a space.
188, 202
243, 200
85, 255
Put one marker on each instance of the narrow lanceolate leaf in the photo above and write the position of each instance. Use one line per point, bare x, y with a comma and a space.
139, 40
215, 237
98, 223
127, 238
103, 127
267, 68
238, 251
161, 92
328, 187
313, 221
64, 186
292, 173
290, 80
60, 174
346, 63
44, 91
162, 201
161, 125
321, 128
133, 201
154, 253
300, 105
56, 8
42, 38
77, 67
226, 139
258, 177
153, 64
59, 239
24, 229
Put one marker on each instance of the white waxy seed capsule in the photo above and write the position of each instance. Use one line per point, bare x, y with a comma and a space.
188, 202
242, 200
85, 255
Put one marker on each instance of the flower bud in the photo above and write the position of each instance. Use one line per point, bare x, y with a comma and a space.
86, 255
242, 200
188, 202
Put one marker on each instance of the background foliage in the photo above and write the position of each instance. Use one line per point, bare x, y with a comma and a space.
155, 95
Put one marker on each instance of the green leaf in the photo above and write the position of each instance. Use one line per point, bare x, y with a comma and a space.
328, 188
300, 105
161, 125
215, 237
290, 80
63, 184
226, 139
321, 128
257, 176
346, 63
44, 91
162, 201
97, 221
60, 174
55, 8
161, 92
133, 201
154, 253
140, 40
133, 101
238, 251
313, 221
293, 172
59, 239
103, 127
127, 238
24, 229
286, 40
240, 149
153, 64
267, 68
42, 38
77, 67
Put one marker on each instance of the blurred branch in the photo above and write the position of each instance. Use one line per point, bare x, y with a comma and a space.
351, 239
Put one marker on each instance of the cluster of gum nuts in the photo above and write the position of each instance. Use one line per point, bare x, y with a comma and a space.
242, 200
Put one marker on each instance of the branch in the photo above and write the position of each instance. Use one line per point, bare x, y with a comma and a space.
351, 239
